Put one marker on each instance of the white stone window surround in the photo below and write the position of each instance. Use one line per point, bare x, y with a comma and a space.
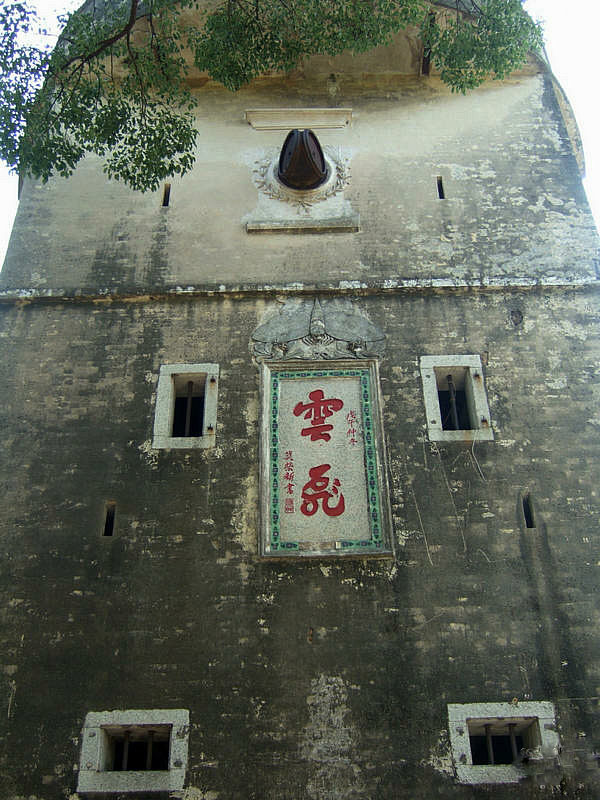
94, 776
165, 406
470, 369
460, 715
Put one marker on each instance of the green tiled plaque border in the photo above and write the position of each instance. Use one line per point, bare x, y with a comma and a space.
375, 541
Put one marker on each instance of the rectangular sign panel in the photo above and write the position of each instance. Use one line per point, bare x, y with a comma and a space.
323, 491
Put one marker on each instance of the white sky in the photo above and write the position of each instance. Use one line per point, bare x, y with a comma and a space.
571, 32
570, 28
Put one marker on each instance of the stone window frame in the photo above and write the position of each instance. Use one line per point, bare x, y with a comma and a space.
480, 412
459, 716
165, 405
94, 777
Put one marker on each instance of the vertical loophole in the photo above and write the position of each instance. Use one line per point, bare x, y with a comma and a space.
528, 511
166, 195
426, 61
440, 188
109, 522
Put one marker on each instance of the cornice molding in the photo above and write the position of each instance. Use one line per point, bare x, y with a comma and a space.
274, 119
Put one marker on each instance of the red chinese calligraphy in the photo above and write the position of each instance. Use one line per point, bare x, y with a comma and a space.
316, 491
320, 409
289, 505
351, 432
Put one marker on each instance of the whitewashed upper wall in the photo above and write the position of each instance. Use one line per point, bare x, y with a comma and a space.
514, 211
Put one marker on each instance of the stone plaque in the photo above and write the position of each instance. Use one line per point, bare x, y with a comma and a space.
323, 486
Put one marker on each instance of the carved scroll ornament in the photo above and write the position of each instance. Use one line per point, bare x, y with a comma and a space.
317, 329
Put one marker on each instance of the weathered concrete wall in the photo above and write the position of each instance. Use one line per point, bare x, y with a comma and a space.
309, 680
514, 209
323, 679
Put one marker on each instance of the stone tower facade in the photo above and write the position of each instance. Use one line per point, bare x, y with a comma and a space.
300, 485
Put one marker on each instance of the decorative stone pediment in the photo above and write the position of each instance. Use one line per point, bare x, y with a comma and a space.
268, 182
317, 329
283, 209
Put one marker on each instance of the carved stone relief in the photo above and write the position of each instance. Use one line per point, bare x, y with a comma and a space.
265, 177
317, 329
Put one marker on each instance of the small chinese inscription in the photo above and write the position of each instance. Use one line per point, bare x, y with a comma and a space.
352, 429
288, 478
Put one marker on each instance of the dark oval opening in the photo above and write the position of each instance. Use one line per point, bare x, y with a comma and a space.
301, 162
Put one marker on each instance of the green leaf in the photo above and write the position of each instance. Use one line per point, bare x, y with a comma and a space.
121, 93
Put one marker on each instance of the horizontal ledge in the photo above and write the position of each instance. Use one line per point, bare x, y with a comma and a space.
133, 294
466, 436
273, 119
308, 555
349, 224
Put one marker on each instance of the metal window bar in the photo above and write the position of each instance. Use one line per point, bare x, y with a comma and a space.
149, 750
488, 741
453, 409
125, 751
188, 409
513, 740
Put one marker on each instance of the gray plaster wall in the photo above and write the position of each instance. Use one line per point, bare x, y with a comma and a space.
321, 679
515, 210
324, 679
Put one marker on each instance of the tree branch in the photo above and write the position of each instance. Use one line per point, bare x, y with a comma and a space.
106, 43
133, 59
155, 46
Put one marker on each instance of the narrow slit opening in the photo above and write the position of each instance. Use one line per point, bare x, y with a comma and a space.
166, 195
109, 522
426, 62
440, 188
528, 511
